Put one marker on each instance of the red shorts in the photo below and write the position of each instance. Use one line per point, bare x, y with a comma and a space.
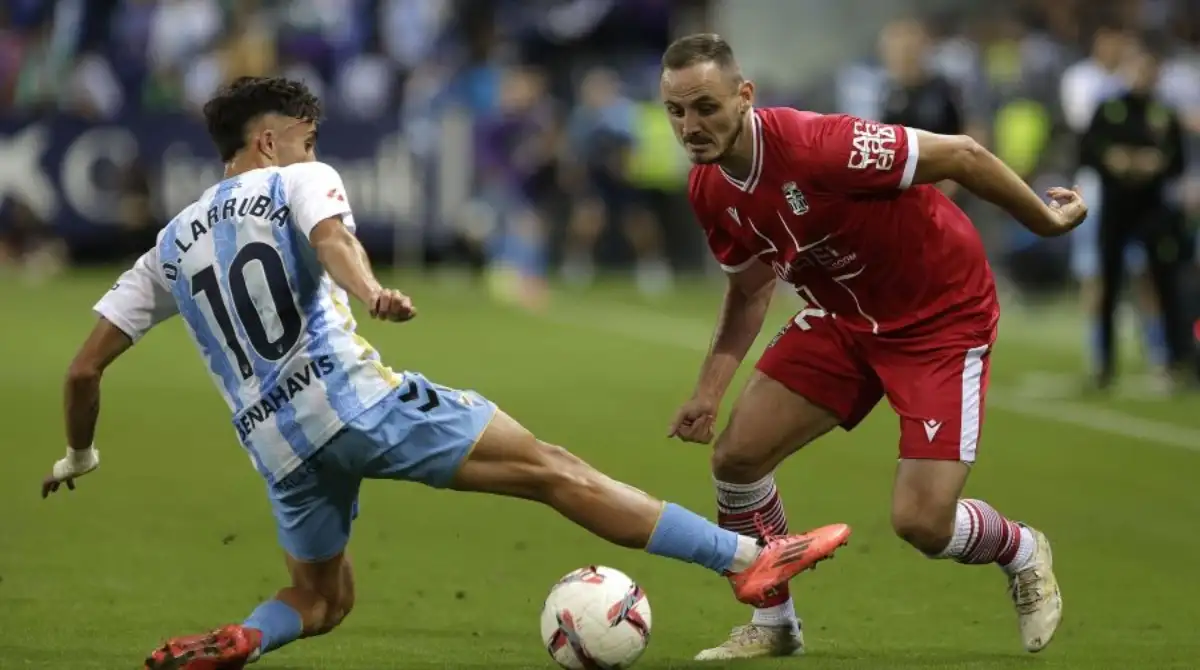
937, 383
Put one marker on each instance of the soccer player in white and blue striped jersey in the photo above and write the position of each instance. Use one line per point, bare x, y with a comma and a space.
259, 268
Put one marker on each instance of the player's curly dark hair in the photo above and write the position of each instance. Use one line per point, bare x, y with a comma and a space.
233, 107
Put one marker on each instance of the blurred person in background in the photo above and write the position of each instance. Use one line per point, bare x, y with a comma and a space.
463, 76
658, 176
516, 158
42, 68
28, 246
1021, 64
11, 50
914, 95
245, 46
601, 137
140, 218
1180, 86
1085, 85
1135, 143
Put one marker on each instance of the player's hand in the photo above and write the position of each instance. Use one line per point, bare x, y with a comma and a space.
1067, 208
392, 305
694, 421
77, 463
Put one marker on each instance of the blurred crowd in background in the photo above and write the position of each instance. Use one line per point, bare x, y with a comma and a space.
1030, 78
572, 163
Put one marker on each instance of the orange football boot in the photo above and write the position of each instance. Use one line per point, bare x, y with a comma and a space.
784, 557
227, 648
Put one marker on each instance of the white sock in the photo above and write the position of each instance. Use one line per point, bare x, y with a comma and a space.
747, 552
1025, 553
964, 527
778, 616
735, 498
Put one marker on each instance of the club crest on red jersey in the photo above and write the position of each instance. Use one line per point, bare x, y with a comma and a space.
795, 199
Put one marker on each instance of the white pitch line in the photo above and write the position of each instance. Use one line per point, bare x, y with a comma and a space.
1099, 419
691, 334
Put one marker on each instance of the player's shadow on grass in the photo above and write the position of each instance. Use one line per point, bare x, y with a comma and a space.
930, 659
910, 659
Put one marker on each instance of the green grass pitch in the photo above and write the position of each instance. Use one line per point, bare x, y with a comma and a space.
173, 534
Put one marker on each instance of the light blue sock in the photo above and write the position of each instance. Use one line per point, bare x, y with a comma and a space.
278, 623
686, 536
1155, 336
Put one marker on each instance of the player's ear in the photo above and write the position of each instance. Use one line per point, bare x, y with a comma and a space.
266, 143
746, 93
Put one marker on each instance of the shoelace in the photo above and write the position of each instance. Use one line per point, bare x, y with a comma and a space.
748, 633
742, 632
1026, 592
765, 535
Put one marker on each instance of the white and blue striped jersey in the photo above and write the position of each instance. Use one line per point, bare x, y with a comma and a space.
274, 330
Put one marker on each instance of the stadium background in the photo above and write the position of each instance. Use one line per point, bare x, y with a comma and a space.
483, 143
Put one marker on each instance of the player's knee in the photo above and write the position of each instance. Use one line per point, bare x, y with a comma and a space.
732, 462
556, 471
923, 527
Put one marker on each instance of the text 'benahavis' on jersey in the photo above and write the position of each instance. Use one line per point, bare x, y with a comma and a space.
275, 332
829, 204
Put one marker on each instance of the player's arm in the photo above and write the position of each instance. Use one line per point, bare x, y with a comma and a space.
962, 159
748, 295
861, 156
81, 392
321, 211
344, 258
138, 301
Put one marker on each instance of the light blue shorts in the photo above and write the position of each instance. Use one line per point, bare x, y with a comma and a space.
1085, 240
421, 432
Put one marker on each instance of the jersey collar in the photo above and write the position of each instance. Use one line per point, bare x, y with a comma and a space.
756, 158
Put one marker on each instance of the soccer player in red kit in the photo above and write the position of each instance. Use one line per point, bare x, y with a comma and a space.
898, 302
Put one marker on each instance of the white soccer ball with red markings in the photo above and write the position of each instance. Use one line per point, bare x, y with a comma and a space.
596, 618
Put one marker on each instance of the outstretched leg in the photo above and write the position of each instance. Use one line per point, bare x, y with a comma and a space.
508, 460
443, 437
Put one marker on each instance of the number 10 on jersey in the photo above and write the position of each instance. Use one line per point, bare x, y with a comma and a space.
205, 282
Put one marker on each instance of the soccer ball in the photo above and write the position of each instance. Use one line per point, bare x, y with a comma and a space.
596, 617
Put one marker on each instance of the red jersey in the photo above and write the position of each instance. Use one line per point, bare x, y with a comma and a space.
829, 204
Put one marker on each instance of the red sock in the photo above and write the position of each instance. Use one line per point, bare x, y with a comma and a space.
738, 507
982, 535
